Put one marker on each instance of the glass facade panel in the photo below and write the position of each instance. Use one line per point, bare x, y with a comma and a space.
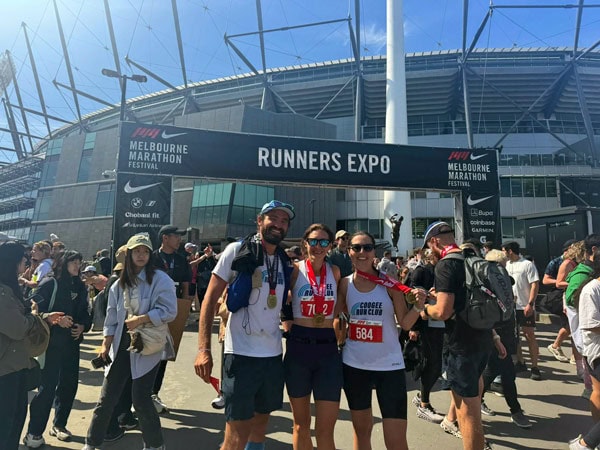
84, 166
516, 187
49, 171
54, 147
539, 187
105, 200
551, 187
43, 205
90, 141
528, 187
504, 187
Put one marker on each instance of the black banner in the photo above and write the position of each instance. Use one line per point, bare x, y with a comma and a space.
143, 204
481, 214
153, 149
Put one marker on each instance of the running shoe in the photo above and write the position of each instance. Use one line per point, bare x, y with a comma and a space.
497, 389
485, 409
429, 414
130, 424
487, 446
557, 353
451, 428
218, 402
572, 360
88, 447
574, 444
159, 405
416, 400
32, 441
535, 374
114, 437
520, 420
61, 433
520, 367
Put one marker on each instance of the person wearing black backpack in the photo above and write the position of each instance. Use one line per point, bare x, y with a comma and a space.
468, 348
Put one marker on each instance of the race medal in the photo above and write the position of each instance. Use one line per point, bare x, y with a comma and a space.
319, 319
410, 298
319, 306
272, 300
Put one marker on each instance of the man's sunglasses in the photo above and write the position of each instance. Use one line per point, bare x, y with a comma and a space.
358, 248
322, 242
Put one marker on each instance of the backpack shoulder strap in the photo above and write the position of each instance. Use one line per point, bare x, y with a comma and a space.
53, 298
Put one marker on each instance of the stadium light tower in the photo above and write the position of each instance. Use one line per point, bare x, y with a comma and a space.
114, 74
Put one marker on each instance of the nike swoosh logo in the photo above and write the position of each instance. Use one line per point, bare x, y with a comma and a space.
473, 157
169, 136
472, 202
129, 189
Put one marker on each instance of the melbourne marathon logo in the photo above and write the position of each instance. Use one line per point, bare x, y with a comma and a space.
146, 149
462, 168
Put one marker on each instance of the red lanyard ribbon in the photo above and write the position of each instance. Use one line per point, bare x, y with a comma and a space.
448, 248
318, 291
386, 281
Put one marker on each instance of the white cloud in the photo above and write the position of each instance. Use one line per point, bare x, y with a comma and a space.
374, 38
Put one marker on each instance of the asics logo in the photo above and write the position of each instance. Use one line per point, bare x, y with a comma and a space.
473, 202
129, 189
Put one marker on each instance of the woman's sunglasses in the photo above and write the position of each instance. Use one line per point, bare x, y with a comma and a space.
358, 248
322, 242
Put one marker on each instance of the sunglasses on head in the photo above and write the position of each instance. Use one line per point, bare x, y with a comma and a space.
358, 248
322, 242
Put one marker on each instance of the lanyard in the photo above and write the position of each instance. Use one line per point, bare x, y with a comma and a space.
386, 281
318, 291
272, 268
448, 248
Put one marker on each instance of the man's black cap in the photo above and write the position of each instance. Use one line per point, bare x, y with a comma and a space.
170, 229
567, 244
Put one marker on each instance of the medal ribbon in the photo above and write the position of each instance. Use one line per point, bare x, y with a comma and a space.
318, 291
272, 269
448, 248
385, 281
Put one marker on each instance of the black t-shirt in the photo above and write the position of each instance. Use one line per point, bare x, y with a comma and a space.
175, 265
450, 278
422, 276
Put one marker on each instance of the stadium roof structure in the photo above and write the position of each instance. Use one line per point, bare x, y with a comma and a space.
539, 84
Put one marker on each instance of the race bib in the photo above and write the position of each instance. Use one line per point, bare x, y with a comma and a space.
366, 331
309, 307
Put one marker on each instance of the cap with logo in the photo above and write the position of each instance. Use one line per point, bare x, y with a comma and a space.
567, 244
90, 269
170, 229
274, 205
138, 240
341, 234
435, 229
189, 245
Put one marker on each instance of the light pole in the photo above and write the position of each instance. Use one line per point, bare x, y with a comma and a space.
114, 74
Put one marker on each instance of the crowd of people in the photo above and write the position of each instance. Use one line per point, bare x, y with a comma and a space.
347, 318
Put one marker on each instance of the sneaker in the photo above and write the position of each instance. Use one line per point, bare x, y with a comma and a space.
487, 446
486, 410
451, 428
573, 361
520, 367
159, 405
535, 374
114, 437
218, 402
574, 444
557, 353
587, 393
520, 420
416, 400
130, 424
497, 389
61, 433
429, 414
32, 441
88, 447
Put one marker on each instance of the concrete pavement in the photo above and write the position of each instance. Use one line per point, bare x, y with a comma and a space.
554, 406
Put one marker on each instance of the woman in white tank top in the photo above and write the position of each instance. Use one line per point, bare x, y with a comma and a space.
372, 355
312, 361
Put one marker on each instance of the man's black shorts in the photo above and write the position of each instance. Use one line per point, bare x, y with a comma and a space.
463, 372
525, 321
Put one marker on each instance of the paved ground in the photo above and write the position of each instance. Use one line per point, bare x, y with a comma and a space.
554, 406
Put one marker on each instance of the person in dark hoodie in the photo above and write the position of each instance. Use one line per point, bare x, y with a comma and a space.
64, 292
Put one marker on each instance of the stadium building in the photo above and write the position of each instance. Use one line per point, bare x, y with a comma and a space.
526, 101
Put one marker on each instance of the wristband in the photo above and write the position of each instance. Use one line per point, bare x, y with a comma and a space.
419, 310
425, 310
204, 350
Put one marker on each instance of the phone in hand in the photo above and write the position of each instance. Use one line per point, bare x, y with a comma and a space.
99, 362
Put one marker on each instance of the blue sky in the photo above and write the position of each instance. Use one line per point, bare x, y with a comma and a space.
145, 32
